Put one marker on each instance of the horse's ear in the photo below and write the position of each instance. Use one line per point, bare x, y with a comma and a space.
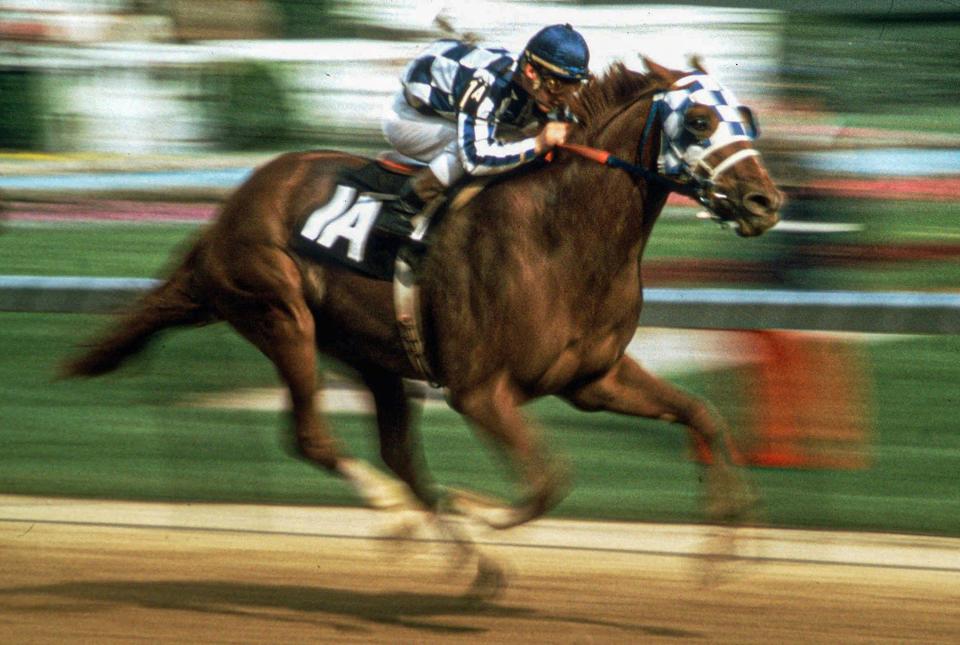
697, 64
658, 71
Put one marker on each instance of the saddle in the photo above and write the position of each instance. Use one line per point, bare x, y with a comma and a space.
353, 229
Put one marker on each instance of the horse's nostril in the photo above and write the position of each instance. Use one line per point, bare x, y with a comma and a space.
759, 204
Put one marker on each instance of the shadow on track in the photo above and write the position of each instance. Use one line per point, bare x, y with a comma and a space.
319, 605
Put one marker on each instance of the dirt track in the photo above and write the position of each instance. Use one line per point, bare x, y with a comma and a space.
261, 575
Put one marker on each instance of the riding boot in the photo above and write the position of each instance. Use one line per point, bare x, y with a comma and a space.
420, 188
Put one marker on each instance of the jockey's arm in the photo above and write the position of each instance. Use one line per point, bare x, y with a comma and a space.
483, 154
482, 149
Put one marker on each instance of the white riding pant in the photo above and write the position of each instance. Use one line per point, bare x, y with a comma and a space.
429, 139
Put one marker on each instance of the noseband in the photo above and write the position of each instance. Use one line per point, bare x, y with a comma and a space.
729, 162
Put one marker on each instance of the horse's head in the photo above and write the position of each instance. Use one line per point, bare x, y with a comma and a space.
707, 144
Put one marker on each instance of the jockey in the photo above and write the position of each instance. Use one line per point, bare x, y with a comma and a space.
458, 99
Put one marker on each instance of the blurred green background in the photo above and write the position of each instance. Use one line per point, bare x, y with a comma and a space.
161, 87
140, 435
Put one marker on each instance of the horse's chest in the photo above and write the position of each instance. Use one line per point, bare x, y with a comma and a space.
580, 346
580, 357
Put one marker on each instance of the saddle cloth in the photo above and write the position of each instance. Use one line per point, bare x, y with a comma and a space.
352, 228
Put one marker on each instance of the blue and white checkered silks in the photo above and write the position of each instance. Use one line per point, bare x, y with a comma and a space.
471, 87
440, 74
680, 150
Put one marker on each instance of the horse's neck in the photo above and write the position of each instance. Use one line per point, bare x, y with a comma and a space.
623, 130
621, 208
636, 134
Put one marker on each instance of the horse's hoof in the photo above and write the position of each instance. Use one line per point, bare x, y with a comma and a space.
490, 581
488, 510
404, 528
731, 500
380, 491
548, 491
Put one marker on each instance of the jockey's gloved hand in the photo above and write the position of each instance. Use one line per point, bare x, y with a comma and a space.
553, 134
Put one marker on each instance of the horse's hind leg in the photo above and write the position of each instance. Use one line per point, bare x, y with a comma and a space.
277, 320
629, 389
286, 336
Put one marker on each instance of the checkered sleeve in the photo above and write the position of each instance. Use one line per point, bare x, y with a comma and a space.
482, 154
480, 151
471, 86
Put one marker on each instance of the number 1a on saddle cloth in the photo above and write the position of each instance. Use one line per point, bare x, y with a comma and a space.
349, 227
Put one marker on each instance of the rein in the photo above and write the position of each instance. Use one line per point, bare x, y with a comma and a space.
695, 187
691, 188
604, 158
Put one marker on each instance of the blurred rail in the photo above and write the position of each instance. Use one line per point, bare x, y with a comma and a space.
878, 312
61, 294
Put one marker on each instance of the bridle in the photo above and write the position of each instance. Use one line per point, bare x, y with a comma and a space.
682, 165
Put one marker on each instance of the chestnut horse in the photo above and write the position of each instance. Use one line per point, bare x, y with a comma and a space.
532, 288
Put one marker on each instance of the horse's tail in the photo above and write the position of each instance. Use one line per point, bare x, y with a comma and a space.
174, 303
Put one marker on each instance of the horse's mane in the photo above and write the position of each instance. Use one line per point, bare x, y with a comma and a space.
617, 87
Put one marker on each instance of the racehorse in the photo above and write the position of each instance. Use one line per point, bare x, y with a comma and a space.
531, 288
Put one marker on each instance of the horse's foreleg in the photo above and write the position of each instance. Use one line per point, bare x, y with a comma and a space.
629, 389
400, 446
493, 409
402, 452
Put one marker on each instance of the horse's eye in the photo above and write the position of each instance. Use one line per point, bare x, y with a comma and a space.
698, 124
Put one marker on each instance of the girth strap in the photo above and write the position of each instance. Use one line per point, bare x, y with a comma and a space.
406, 297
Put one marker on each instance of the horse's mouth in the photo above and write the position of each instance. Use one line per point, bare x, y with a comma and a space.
743, 222
750, 225
751, 215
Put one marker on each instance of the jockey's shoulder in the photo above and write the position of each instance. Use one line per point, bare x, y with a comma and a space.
464, 47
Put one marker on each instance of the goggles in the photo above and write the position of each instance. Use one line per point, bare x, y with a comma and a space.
556, 85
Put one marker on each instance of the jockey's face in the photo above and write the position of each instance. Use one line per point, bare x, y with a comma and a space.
550, 92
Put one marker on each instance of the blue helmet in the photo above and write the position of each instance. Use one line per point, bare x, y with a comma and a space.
561, 51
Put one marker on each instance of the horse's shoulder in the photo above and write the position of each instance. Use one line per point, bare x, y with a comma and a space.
498, 204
